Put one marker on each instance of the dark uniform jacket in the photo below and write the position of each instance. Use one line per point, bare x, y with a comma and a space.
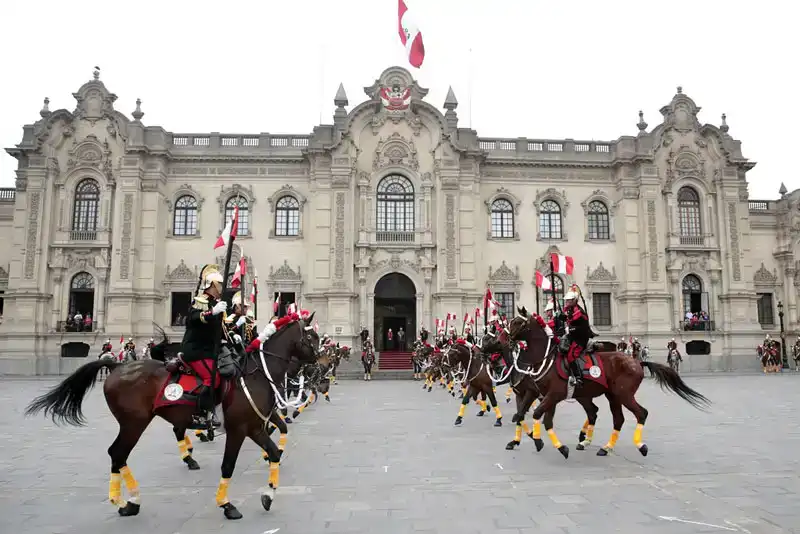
203, 331
580, 331
622, 346
672, 345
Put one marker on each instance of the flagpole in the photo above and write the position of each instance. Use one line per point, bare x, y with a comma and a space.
255, 297
321, 80
470, 88
537, 299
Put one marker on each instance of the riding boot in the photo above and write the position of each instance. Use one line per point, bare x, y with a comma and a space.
205, 402
577, 372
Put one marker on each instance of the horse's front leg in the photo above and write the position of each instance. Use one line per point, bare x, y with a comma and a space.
233, 444
273, 452
463, 407
524, 402
185, 448
548, 408
587, 432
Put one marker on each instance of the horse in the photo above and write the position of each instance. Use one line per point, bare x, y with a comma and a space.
796, 355
674, 360
476, 380
132, 389
613, 374
368, 360
339, 354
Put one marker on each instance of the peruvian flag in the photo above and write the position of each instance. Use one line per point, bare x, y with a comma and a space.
477, 313
316, 326
121, 340
292, 308
562, 264
543, 282
276, 304
254, 291
410, 36
241, 267
230, 230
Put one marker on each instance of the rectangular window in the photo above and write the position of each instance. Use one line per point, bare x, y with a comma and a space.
506, 302
181, 302
766, 317
601, 309
283, 303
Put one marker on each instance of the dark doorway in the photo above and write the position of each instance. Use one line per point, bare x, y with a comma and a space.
283, 302
81, 296
698, 347
395, 309
74, 350
181, 302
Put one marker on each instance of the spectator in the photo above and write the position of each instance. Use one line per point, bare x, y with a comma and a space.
87, 322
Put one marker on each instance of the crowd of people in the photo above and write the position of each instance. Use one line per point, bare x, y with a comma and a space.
78, 322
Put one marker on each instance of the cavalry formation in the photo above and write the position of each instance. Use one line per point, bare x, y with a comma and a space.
770, 355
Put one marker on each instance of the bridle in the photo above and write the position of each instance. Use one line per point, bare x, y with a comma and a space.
549, 353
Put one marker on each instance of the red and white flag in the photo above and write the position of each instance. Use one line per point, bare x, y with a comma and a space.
276, 304
230, 230
254, 291
241, 267
478, 313
410, 36
562, 264
543, 282
121, 340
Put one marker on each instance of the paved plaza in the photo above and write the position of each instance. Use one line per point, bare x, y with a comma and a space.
385, 457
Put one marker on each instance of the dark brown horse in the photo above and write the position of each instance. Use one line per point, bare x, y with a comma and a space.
476, 380
131, 391
623, 375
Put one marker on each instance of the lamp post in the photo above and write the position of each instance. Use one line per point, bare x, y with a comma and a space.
784, 359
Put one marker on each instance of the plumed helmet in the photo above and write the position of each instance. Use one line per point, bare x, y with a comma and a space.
573, 293
130, 339
767, 337
109, 340
673, 339
236, 300
209, 274
151, 340
550, 305
250, 313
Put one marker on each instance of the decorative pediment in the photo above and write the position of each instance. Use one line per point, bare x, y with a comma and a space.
394, 94
285, 190
765, 278
395, 262
94, 100
183, 190
394, 151
551, 193
226, 193
504, 273
395, 78
91, 153
182, 272
601, 274
503, 193
284, 273
543, 263
602, 196
681, 114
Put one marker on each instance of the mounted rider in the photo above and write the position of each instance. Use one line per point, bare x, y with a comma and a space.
201, 342
672, 345
129, 348
554, 321
240, 323
423, 335
580, 332
636, 347
468, 335
107, 347
622, 346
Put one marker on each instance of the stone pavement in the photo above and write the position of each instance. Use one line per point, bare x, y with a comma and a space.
384, 457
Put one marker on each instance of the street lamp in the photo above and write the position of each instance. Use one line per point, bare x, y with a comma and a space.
783, 336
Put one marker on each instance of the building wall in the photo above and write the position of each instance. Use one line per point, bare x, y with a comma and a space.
334, 263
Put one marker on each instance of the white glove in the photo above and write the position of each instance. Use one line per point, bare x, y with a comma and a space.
237, 339
241, 321
219, 307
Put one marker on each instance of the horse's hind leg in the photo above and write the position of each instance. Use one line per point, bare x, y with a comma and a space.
278, 423
508, 394
185, 448
497, 413
463, 408
127, 438
618, 420
640, 412
587, 432
481, 402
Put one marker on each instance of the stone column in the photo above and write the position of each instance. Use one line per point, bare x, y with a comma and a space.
420, 313
715, 280
58, 295
100, 307
428, 303
362, 297
677, 305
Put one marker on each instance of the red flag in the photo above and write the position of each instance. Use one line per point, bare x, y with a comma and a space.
543, 281
121, 340
254, 291
487, 298
230, 230
562, 264
241, 267
410, 35
276, 305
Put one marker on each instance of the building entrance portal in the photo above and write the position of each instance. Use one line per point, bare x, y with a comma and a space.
395, 311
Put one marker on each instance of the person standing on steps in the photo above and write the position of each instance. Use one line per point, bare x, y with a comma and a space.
389, 340
401, 339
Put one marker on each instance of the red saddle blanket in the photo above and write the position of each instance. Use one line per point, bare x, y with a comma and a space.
180, 389
591, 364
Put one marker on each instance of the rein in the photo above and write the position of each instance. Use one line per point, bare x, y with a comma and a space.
544, 367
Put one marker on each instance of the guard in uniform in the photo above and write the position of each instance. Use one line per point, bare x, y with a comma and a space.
201, 342
580, 332
636, 348
468, 335
672, 345
107, 347
130, 347
423, 334
622, 346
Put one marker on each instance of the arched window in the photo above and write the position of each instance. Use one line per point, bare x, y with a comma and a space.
558, 290
693, 301
81, 297
244, 214
598, 220
185, 222
287, 216
86, 210
395, 204
689, 213
550, 220
502, 218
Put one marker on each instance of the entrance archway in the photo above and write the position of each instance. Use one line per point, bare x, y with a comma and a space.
395, 308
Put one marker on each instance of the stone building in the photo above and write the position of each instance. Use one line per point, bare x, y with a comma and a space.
389, 217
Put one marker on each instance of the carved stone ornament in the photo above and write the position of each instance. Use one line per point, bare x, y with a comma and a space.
395, 262
395, 151
184, 190
226, 193
181, 272
285, 190
763, 277
681, 114
3, 274
504, 273
503, 193
394, 94
601, 274
284, 273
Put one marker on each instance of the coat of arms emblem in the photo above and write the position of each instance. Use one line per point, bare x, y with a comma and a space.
395, 98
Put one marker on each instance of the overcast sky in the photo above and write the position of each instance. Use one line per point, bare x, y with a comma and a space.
578, 69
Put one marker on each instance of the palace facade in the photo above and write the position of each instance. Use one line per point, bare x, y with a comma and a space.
389, 217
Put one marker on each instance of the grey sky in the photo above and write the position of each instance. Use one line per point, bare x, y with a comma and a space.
579, 69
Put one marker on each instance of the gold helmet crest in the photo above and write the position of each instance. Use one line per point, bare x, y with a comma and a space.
236, 300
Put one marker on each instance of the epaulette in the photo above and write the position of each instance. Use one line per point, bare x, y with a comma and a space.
200, 303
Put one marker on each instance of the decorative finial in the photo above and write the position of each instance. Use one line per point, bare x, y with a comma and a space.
680, 90
96, 73
450, 101
641, 124
724, 126
137, 113
45, 108
782, 191
340, 100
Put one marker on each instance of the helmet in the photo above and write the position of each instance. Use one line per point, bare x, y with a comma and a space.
673, 339
550, 305
636, 339
151, 340
109, 340
250, 313
622, 338
209, 275
573, 293
130, 339
237, 298
767, 337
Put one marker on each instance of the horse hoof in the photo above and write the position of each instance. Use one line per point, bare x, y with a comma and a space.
564, 450
191, 463
539, 444
511, 444
499, 422
643, 449
580, 447
328, 399
602, 452
230, 511
459, 419
295, 413
430, 389
508, 400
266, 502
287, 420
480, 414
203, 438
581, 435
130, 509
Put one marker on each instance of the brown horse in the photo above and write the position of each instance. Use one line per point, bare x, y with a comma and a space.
132, 389
476, 379
622, 374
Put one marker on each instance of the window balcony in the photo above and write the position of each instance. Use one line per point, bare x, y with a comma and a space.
395, 237
696, 324
83, 235
693, 240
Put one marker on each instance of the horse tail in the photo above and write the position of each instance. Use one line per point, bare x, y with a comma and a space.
64, 402
669, 379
